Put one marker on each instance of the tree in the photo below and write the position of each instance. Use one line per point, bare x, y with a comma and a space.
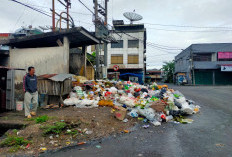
168, 71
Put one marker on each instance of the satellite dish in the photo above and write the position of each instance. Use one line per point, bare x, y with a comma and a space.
43, 28
132, 16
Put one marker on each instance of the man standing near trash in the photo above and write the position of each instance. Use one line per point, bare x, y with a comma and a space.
31, 94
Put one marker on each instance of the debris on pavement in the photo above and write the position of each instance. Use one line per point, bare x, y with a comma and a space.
98, 146
153, 103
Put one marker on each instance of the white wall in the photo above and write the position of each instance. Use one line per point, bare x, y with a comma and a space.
125, 51
46, 60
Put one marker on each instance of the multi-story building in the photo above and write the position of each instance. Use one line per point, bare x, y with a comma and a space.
205, 64
4, 50
154, 75
129, 52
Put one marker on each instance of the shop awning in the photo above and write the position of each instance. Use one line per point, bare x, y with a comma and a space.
226, 67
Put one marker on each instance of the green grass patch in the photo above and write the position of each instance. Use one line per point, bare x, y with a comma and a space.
41, 119
72, 132
14, 142
57, 128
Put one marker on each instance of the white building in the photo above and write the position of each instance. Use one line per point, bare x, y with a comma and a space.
129, 52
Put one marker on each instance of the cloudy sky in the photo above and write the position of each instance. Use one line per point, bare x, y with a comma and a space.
171, 25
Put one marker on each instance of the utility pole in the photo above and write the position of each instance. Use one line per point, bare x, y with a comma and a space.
192, 66
67, 6
97, 35
105, 43
53, 16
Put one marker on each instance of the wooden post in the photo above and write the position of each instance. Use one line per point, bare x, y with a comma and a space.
53, 15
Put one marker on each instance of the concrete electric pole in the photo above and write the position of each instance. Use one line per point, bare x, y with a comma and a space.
105, 43
97, 35
101, 33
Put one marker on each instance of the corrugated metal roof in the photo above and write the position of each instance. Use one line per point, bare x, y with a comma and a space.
61, 77
46, 76
56, 77
77, 36
10, 68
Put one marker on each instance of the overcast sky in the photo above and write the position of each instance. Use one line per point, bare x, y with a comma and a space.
201, 13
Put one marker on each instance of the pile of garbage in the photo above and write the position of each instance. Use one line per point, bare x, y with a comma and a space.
153, 103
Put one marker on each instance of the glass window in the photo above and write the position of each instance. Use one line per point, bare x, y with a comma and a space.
119, 44
117, 59
202, 57
133, 43
133, 59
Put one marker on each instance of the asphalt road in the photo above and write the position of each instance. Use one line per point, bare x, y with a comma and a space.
210, 135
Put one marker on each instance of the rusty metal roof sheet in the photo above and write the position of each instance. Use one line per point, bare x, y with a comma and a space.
61, 77
56, 77
77, 36
10, 68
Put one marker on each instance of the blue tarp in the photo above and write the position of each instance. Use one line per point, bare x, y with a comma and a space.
140, 76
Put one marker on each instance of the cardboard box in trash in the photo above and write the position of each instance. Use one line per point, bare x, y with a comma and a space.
120, 113
158, 106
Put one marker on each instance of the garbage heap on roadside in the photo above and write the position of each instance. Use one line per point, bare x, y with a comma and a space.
153, 103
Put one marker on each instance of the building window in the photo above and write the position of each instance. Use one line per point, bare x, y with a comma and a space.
116, 59
202, 57
133, 43
133, 59
119, 44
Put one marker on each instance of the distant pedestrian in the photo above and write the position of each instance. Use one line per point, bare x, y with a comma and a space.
31, 94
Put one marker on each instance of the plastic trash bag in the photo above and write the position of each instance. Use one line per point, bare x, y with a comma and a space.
133, 113
148, 113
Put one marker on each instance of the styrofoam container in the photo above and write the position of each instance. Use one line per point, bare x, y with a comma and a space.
19, 105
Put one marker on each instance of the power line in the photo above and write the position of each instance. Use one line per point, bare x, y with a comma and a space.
35, 9
60, 9
19, 17
86, 7
174, 30
200, 27
148, 44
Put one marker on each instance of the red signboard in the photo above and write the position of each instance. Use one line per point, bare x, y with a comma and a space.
116, 67
4, 35
224, 55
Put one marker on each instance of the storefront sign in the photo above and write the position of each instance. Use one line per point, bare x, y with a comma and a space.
226, 68
224, 55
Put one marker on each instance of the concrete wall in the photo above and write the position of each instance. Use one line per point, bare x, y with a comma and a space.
46, 60
125, 51
76, 63
182, 62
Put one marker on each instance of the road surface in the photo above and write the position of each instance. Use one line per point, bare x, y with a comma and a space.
210, 135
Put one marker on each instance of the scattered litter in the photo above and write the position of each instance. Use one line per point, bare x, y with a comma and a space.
146, 126
220, 145
51, 137
126, 131
43, 148
125, 120
152, 103
81, 143
89, 132
98, 146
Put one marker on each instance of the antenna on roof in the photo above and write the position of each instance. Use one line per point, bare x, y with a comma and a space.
132, 16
